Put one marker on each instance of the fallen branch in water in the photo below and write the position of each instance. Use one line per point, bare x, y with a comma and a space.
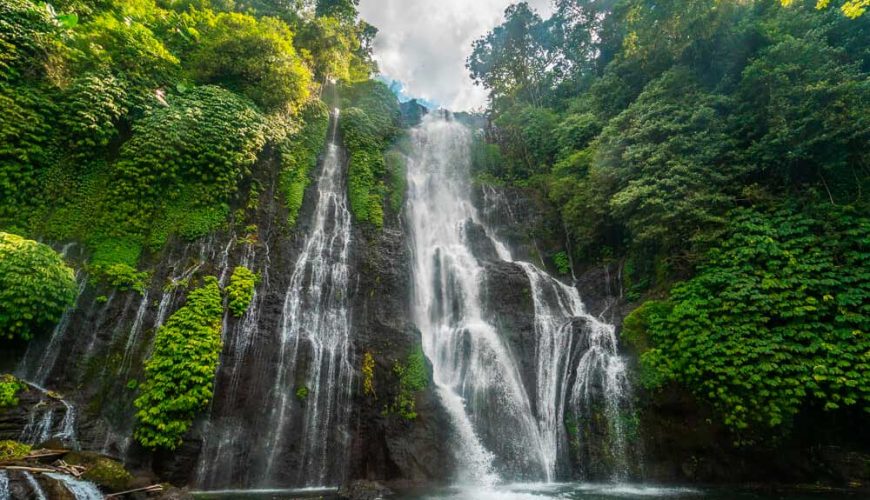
28, 469
154, 488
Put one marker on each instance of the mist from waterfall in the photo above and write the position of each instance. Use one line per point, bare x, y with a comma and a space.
476, 375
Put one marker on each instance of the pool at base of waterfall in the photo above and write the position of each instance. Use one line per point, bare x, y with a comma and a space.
611, 491
567, 491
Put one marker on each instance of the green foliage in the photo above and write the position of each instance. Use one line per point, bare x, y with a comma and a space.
413, 378
302, 393
254, 57
25, 136
191, 153
36, 286
668, 158
342, 9
852, 9
27, 33
113, 42
776, 317
512, 60
94, 105
179, 374
802, 118
528, 138
240, 290
299, 154
337, 49
13, 450
121, 276
368, 373
9, 389
562, 262
648, 124
397, 180
367, 129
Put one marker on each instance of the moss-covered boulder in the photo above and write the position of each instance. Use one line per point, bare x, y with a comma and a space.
13, 450
101, 470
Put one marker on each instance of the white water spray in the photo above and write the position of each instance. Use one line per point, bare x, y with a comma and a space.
476, 377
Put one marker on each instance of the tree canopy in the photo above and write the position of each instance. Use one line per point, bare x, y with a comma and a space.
716, 151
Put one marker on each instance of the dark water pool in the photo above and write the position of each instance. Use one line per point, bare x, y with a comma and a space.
568, 491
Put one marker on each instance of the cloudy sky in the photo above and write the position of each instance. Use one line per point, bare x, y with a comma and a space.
424, 44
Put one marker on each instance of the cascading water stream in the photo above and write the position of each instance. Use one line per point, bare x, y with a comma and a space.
316, 328
35, 488
474, 373
80, 490
476, 377
41, 421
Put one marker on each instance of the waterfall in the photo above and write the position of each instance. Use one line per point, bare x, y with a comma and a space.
133, 336
80, 490
40, 422
226, 433
315, 340
35, 488
475, 374
39, 369
4, 485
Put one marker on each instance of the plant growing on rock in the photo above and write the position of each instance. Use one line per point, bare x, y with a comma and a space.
299, 153
413, 378
9, 388
368, 127
36, 287
179, 374
775, 317
240, 291
302, 393
368, 373
13, 450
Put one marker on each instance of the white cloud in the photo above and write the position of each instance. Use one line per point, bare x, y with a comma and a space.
424, 44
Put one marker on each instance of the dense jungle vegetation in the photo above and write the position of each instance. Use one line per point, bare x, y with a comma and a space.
127, 124
718, 151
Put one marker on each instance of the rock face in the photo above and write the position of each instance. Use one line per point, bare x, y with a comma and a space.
96, 360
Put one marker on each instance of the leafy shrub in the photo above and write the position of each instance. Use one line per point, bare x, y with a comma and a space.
192, 152
124, 45
36, 286
562, 262
26, 33
367, 129
121, 277
397, 179
413, 377
26, 136
299, 154
302, 393
669, 157
775, 318
368, 372
179, 374
93, 106
9, 388
254, 57
240, 291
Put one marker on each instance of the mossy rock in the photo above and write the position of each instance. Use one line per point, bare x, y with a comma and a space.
13, 450
101, 470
